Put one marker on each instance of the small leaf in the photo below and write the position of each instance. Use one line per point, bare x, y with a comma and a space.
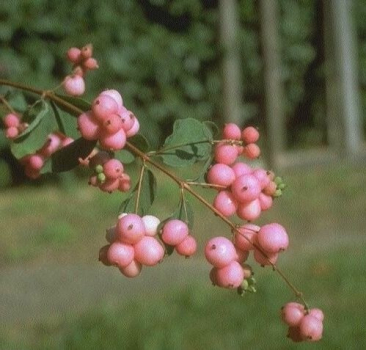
184, 212
17, 100
214, 129
58, 118
67, 157
66, 122
189, 143
125, 156
128, 205
140, 142
73, 101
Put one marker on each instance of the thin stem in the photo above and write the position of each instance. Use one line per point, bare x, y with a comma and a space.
7, 105
170, 148
141, 176
204, 184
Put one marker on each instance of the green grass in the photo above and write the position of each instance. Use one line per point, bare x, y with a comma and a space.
323, 210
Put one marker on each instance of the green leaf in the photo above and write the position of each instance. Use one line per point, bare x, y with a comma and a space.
32, 141
188, 144
184, 212
214, 129
67, 157
147, 195
140, 142
17, 100
74, 101
66, 123
125, 156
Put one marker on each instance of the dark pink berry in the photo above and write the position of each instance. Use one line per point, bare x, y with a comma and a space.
109, 185
112, 124
265, 259
74, 54
294, 334
90, 63
87, 51
103, 255
250, 135
251, 151
241, 255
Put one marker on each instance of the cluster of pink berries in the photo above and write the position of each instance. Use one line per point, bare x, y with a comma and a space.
108, 121
108, 174
13, 125
33, 163
83, 61
304, 325
133, 242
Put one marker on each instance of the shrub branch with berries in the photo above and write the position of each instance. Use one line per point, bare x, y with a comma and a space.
103, 136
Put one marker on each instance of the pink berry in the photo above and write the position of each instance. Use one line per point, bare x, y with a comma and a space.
241, 168
130, 229
120, 254
311, 328
317, 313
127, 117
249, 211
151, 223
246, 188
251, 151
87, 51
66, 141
148, 251
88, 126
36, 161
187, 247
273, 238
219, 251
103, 106
292, 314
112, 124
74, 85
265, 201
265, 260
113, 142
250, 135
221, 174
115, 95
231, 131
131, 270
113, 169
51, 146
12, 132
124, 183
241, 255
74, 54
109, 185
270, 189
246, 236
134, 128
230, 276
10, 120
225, 203
262, 176
174, 232
225, 153
90, 63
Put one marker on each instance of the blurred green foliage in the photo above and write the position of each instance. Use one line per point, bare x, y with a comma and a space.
164, 56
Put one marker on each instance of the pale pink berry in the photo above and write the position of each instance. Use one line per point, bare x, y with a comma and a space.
148, 251
245, 237
12, 132
103, 255
36, 161
220, 174
51, 146
151, 223
113, 142
292, 314
262, 176
250, 135
187, 247
10, 120
219, 251
265, 201
130, 228
124, 183
230, 276
112, 124
131, 270
225, 153
103, 106
109, 185
241, 255
251, 151
246, 188
174, 232
249, 211
231, 131
120, 254
127, 117
88, 126
225, 203
311, 328
90, 63
115, 95
66, 141
74, 85
113, 169
74, 54
273, 238
317, 313
134, 128
265, 259
241, 168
